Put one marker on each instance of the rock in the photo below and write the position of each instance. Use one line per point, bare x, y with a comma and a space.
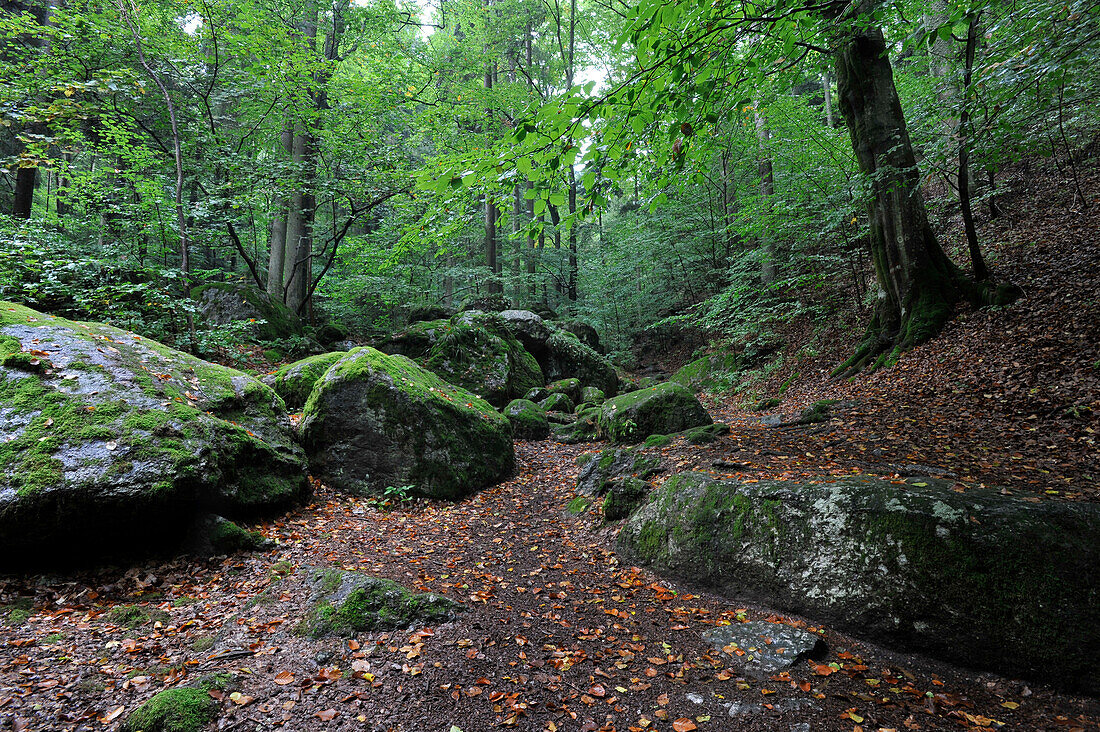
598, 468
113, 443
579, 428
173, 710
295, 381
211, 535
426, 311
473, 350
592, 395
623, 496
528, 420
768, 647
976, 578
375, 421
536, 395
560, 354
531, 330
557, 403
222, 303
585, 333
706, 434
415, 341
714, 372
658, 410
569, 387
330, 333
351, 602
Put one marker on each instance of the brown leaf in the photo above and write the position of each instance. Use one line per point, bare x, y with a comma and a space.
283, 678
683, 724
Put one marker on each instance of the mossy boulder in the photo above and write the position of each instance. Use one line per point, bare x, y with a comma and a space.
113, 443
295, 381
592, 395
659, 410
560, 353
211, 535
599, 468
623, 497
173, 710
584, 332
414, 341
714, 372
485, 303
477, 352
375, 420
557, 403
528, 420
569, 387
345, 603
222, 303
977, 578
581, 427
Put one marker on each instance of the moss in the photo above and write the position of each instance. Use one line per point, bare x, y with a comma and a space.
17, 612
202, 644
623, 497
294, 382
173, 710
133, 616
370, 604
578, 505
766, 404
658, 441
528, 419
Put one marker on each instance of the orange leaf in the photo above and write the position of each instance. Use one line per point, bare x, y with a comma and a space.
112, 716
683, 724
326, 716
283, 678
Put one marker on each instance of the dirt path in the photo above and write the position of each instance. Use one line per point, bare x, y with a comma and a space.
557, 635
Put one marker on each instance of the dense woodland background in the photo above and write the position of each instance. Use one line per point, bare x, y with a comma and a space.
634, 166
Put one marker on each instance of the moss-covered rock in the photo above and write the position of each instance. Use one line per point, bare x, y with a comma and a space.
592, 395
173, 710
581, 427
713, 372
485, 304
113, 443
351, 602
706, 434
976, 577
569, 387
222, 303
557, 403
537, 394
658, 410
528, 420
414, 341
560, 353
295, 381
211, 534
599, 468
477, 352
623, 497
584, 332
376, 420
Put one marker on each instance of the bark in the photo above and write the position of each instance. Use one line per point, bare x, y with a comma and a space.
23, 201
767, 191
965, 129
827, 88
918, 284
277, 247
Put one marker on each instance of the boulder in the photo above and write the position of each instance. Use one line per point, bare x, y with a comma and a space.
576, 428
295, 381
585, 333
598, 468
477, 352
375, 421
569, 387
592, 395
485, 304
766, 648
658, 410
714, 372
528, 420
623, 497
561, 354
557, 403
222, 303
345, 603
114, 443
977, 578
414, 341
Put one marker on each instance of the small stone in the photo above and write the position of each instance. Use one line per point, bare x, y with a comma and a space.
768, 647
695, 698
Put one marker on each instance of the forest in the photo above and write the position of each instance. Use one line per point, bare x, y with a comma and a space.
582, 365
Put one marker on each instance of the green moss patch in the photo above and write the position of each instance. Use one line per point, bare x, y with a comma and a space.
351, 602
294, 382
173, 710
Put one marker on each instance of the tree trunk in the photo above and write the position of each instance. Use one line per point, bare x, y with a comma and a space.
918, 284
980, 270
767, 191
277, 247
23, 200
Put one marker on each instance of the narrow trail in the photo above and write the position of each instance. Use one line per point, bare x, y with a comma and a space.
558, 634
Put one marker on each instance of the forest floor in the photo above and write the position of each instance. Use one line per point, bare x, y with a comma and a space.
558, 633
